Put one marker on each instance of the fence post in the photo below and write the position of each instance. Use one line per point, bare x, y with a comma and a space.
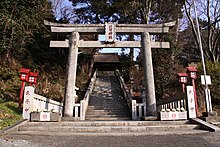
82, 110
28, 102
134, 110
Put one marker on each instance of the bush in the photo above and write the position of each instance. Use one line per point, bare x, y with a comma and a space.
213, 69
10, 84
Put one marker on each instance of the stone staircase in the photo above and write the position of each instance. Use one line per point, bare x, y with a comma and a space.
107, 102
107, 128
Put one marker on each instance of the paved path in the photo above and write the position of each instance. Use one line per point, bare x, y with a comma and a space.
194, 140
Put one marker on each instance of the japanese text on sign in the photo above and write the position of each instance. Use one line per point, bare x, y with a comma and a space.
110, 32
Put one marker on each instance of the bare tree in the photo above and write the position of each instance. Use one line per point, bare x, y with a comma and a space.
209, 15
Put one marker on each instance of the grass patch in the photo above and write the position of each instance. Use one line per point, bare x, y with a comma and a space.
9, 114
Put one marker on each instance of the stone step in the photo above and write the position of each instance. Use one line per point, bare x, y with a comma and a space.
158, 132
107, 104
101, 127
108, 123
71, 129
107, 109
107, 116
118, 118
107, 113
106, 101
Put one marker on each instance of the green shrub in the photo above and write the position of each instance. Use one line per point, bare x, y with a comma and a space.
212, 69
10, 84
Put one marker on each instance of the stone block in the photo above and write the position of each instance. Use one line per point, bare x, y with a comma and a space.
210, 116
173, 115
45, 116
70, 119
150, 118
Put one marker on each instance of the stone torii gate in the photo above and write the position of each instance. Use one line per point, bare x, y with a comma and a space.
109, 29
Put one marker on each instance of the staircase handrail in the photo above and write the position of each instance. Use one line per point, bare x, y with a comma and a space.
85, 102
125, 89
47, 100
138, 110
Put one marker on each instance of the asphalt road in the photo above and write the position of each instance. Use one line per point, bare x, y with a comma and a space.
193, 140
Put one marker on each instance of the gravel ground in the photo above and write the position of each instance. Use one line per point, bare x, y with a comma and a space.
192, 140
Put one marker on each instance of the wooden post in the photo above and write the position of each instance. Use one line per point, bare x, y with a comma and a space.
71, 75
149, 75
134, 110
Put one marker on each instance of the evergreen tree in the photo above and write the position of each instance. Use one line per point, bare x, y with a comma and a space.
21, 26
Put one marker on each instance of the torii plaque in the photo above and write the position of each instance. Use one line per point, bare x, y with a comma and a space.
136, 29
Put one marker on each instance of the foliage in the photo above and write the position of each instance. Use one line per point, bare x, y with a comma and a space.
25, 43
21, 23
51, 85
168, 10
209, 18
213, 69
165, 61
122, 11
125, 66
9, 113
9, 82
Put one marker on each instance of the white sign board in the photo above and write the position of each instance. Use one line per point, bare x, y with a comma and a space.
191, 101
208, 79
44, 116
110, 32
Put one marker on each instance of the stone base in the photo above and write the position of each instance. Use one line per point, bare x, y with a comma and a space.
210, 116
45, 116
173, 115
150, 118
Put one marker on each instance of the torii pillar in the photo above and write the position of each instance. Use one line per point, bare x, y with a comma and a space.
70, 92
149, 75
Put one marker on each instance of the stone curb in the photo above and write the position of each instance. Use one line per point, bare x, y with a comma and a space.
13, 127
